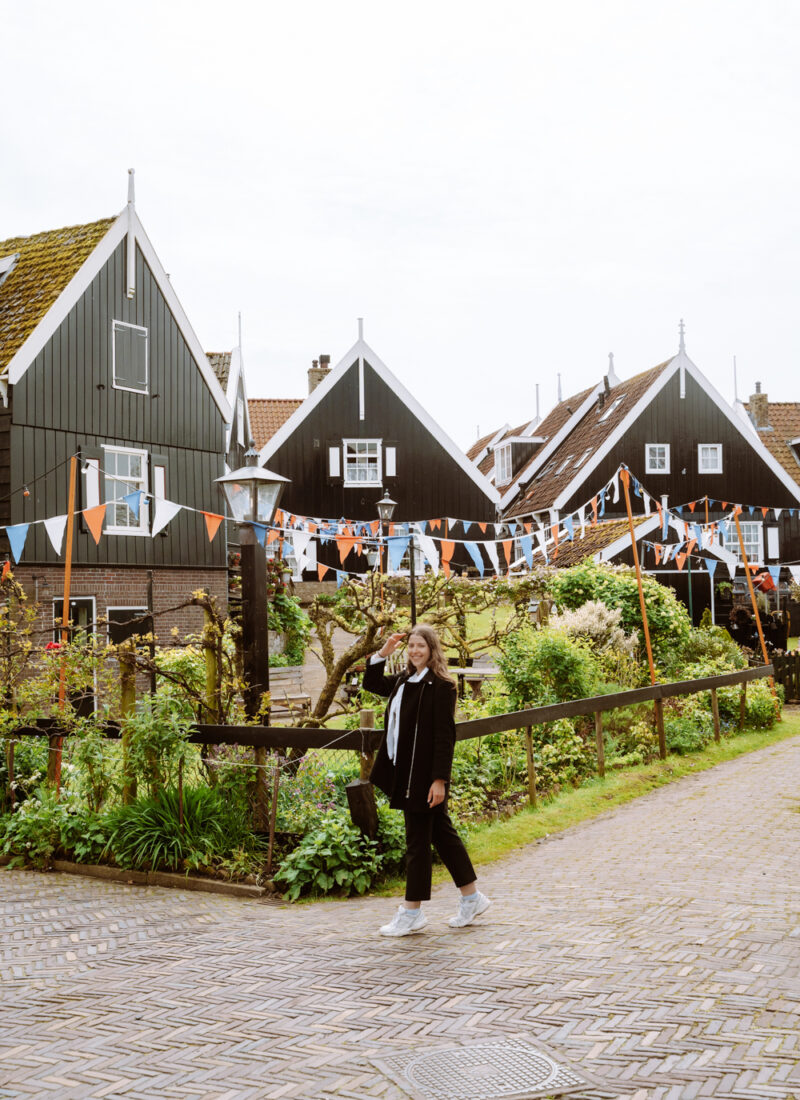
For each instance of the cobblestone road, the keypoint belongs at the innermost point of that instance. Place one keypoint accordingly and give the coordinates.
(657, 948)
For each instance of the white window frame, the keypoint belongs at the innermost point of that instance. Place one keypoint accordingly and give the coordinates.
(143, 527)
(649, 467)
(58, 620)
(717, 469)
(115, 327)
(375, 483)
(754, 546)
(615, 404)
(143, 610)
(502, 464)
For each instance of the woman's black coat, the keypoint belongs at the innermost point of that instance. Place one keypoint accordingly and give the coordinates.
(427, 707)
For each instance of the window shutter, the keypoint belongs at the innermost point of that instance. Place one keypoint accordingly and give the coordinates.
(158, 486)
(334, 461)
(90, 487)
(772, 543)
(390, 461)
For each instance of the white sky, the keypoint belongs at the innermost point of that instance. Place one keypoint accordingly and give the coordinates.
(503, 192)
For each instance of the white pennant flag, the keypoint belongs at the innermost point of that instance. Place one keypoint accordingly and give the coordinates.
(732, 568)
(582, 518)
(777, 512)
(615, 482)
(300, 541)
(795, 571)
(646, 497)
(165, 510)
(55, 531)
(498, 529)
(428, 548)
(491, 551)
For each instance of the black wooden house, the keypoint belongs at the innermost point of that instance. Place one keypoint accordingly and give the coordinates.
(98, 359)
(360, 434)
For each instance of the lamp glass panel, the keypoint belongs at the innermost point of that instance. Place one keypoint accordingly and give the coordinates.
(238, 494)
(267, 500)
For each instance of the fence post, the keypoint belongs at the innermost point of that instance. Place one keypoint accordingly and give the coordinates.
(366, 720)
(601, 751)
(180, 795)
(273, 815)
(715, 712)
(658, 707)
(212, 678)
(531, 766)
(742, 705)
(10, 759)
(127, 705)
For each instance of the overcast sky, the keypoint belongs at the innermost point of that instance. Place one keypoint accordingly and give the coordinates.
(504, 192)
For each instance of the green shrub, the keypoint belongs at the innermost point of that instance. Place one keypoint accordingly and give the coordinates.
(683, 735)
(157, 735)
(334, 855)
(545, 666)
(760, 710)
(561, 755)
(30, 767)
(44, 826)
(307, 794)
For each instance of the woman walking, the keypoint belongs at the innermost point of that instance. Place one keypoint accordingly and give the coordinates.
(413, 769)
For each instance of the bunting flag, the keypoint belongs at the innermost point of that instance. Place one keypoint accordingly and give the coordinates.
(647, 503)
(260, 531)
(465, 525)
(793, 569)
(300, 541)
(398, 545)
(17, 535)
(474, 552)
(133, 500)
(435, 524)
(692, 505)
(491, 553)
(165, 511)
(321, 571)
(447, 547)
(711, 565)
(594, 511)
(340, 578)
(570, 526)
(273, 535)
(680, 559)
(541, 537)
(55, 532)
(428, 548)
(345, 542)
(212, 524)
(658, 550)
(507, 544)
(582, 520)
(777, 512)
(615, 482)
(526, 542)
(775, 573)
(602, 499)
(94, 520)
(483, 527)
(6, 569)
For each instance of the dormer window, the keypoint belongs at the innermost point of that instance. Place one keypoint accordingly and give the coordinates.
(7, 265)
(615, 404)
(502, 465)
(129, 357)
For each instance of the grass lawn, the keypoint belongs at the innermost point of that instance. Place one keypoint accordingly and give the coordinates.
(498, 839)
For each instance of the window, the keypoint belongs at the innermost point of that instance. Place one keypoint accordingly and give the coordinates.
(129, 357)
(709, 458)
(564, 464)
(656, 458)
(502, 465)
(615, 404)
(127, 622)
(546, 470)
(125, 472)
(81, 617)
(362, 461)
(583, 457)
(752, 537)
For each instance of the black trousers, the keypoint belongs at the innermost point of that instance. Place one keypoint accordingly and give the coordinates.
(433, 827)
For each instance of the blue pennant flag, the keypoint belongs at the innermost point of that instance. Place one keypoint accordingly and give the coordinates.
(260, 532)
(570, 526)
(679, 509)
(752, 508)
(665, 525)
(474, 552)
(16, 539)
(526, 542)
(711, 502)
(775, 573)
(637, 487)
(512, 526)
(466, 524)
(132, 500)
(711, 565)
(340, 576)
(397, 548)
(698, 533)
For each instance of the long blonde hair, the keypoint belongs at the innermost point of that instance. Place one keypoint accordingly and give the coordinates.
(437, 662)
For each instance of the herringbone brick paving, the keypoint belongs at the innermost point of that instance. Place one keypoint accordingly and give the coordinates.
(657, 947)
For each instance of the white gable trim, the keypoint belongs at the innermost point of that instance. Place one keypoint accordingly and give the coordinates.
(680, 362)
(361, 350)
(545, 452)
(485, 451)
(80, 283)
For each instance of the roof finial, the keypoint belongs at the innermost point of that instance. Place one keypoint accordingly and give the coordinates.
(130, 246)
(131, 196)
(240, 330)
(361, 328)
(559, 387)
(611, 374)
(681, 330)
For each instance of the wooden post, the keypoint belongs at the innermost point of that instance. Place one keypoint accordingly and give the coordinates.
(56, 743)
(273, 815)
(737, 509)
(10, 760)
(363, 810)
(625, 478)
(180, 795)
(366, 720)
(601, 750)
(531, 766)
(212, 678)
(127, 705)
(151, 645)
(742, 705)
(715, 712)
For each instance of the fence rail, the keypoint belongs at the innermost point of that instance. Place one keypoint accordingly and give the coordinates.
(787, 672)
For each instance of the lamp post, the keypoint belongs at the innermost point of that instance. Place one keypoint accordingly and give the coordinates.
(253, 494)
(386, 507)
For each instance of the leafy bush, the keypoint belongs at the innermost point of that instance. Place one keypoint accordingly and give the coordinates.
(597, 624)
(146, 834)
(157, 734)
(30, 767)
(545, 666)
(287, 617)
(333, 855)
(311, 792)
(44, 826)
(760, 709)
(683, 735)
(561, 754)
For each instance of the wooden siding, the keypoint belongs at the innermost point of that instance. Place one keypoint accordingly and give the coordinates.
(429, 482)
(66, 402)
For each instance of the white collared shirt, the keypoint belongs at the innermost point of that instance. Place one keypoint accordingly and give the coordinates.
(393, 718)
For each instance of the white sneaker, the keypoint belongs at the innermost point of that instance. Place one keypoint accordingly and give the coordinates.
(471, 906)
(404, 922)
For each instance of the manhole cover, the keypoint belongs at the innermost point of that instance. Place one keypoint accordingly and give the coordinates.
(492, 1069)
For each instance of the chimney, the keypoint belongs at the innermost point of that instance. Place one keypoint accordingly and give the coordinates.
(320, 369)
(759, 408)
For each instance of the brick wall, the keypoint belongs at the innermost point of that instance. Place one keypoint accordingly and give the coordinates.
(125, 587)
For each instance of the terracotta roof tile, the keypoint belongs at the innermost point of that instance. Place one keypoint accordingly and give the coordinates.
(47, 262)
(479, 444)
(596, 538)
(268, 414)
(221, 365)
(591, 432)
(784, 426)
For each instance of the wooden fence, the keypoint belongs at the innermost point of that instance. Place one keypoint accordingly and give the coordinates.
(787, 672)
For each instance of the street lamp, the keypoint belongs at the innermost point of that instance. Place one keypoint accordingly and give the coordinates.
(253, 494)
(386, 507)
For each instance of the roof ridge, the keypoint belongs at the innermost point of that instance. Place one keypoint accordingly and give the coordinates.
(59, 229)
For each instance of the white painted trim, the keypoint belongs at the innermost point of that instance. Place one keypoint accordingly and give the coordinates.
(115, 324)
(323, 389)
(624, 541)
(484, 451)
(544, 453)
(718, 468)
(653, 471)
(73, 598)
(361, 387)
(348, 441)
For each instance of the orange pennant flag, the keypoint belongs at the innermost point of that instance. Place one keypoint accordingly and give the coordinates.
(345, 544)
(724, 505)
(554, 533)
(212, 524)
(375, 526)
(278, 521)
(321, 571)
(692, 505)
(312, 527)
(658, 549)
(507, 544)
(691, 546)
(594, 511)
(6, 569)
(737, 509)
(527, 527)
(435, 524)
(94, 520)
(447, 546)
(482, 527)
(764, 512)
(272, 536)
(680, 559)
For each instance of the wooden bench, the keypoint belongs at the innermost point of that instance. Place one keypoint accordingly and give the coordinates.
(287, 692)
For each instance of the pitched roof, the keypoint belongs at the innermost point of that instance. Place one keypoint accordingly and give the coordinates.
(591, 432)
(221, 365)
(595, 540)
(268, 414)
(784, 426)
(47, 261)
(479, 445)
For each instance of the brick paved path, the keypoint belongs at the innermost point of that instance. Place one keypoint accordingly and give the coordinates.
(658, 948)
